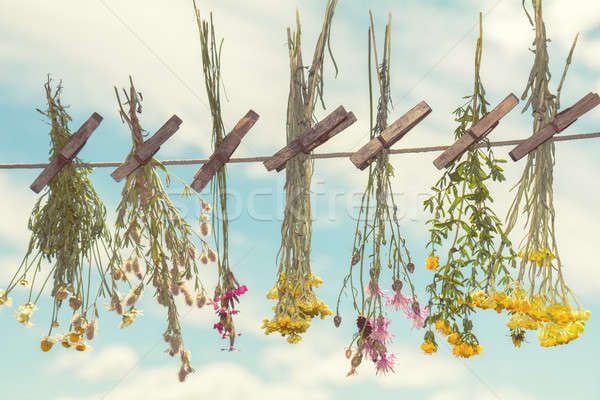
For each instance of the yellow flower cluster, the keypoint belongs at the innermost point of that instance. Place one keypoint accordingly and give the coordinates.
(311, 281)
(292, 319)
(466, 350)
(443, 327)
(429, 347)
(562, 323)
(553, 334)
(460, 349)
(431, 262)
(544, 255)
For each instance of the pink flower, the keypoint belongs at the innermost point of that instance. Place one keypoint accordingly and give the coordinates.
(385, 363)
(214, 303)
(219, 327)
(222, 311)
(379, 331)
(417, 314)
(377, 291)
(233, 312)
(398, 300)
(228, 294)
(241, 290)
(368, 350)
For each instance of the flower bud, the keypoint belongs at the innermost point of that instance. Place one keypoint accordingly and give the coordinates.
(356, 360)
(62, 293)
(397, 285)
(90, 330)
(337, 320)
(75, 302)
(204, 258)
(410, 267)
(117, 275)
(348, 353)
(200, 300)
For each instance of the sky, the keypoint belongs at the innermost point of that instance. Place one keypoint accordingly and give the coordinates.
(94, 46)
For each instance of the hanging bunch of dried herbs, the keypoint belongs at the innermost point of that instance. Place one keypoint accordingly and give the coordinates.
(463, 220)
(540, 298)
(228, 289)
(157, 241)
(378, 243)
(297, 303)
(68, 231)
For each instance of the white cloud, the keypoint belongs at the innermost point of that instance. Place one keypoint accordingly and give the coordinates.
(111, 362)
(219, 380)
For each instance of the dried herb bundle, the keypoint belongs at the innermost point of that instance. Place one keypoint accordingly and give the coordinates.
(297, 303)
(467, 272)
(228, 290)
(158, 242)
(378, 243)
(68, 231)
(540, 298)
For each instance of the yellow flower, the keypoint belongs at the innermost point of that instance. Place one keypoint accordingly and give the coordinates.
(46, 343)
(82, 346)
(453, 338)
(429, 347)
(431, 262)
(73, 337)
(273, 293)
(443, 327)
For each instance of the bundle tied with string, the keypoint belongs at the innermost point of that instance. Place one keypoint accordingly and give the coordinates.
(155, 241)
(227, 290)
(297, 304)
(539, 299)
(378, 243)
(68, 231)
(464, 222)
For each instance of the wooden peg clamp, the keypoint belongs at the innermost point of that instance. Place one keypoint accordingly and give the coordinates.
(148, 149)
(67, 153)
(477, 132)
(321, 132)
(390, 135)
(561, 122)
(224, 152)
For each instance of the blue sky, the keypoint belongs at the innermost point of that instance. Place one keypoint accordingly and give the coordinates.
(86, 46)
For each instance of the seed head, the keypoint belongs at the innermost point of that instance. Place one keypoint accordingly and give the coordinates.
(205, 228)
(212, 255)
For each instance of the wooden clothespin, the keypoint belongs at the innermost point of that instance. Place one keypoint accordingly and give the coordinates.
(321, 132)
(562, 120)
(67, 153)
(148, 149)
(477, 132)
(390, 135)
(223, 153)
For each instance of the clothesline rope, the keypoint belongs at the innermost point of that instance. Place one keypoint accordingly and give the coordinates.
(314, 156)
